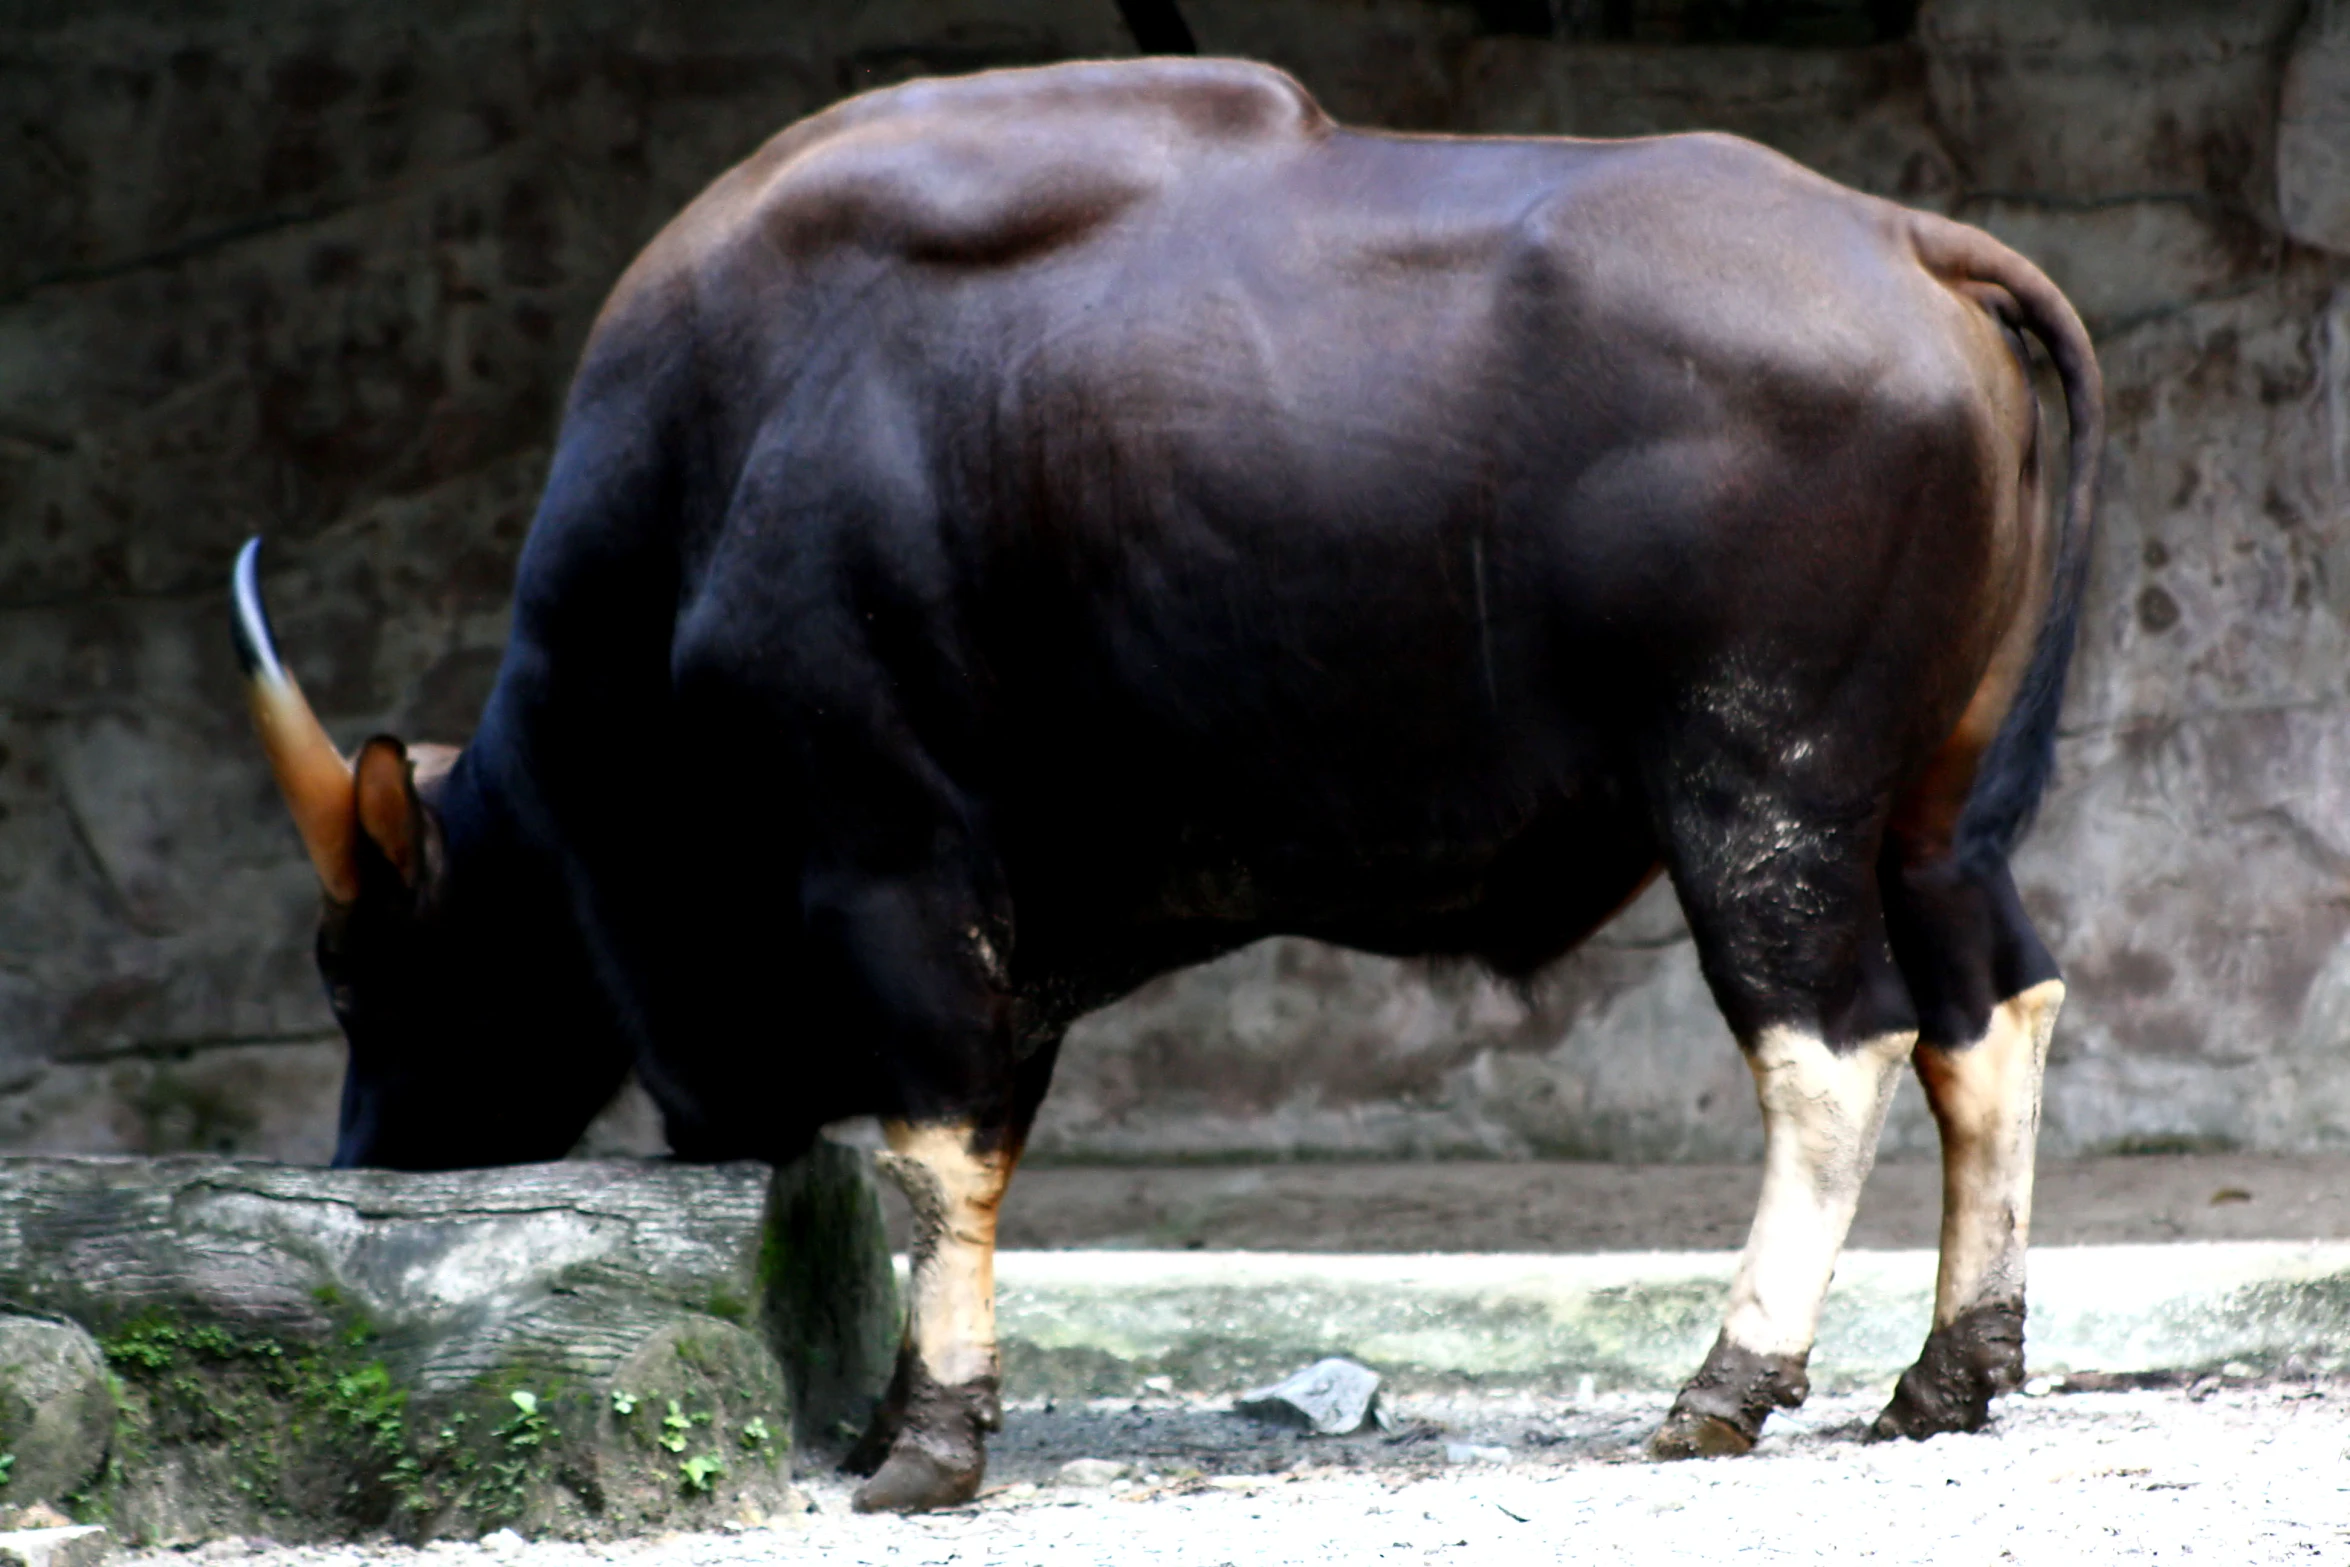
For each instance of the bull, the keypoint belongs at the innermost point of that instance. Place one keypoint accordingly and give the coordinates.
(1015, 536)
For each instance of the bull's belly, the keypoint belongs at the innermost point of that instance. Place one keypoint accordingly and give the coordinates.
(1516, 894)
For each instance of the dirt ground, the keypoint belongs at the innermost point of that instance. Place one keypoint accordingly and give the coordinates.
(1567, 1207)
(2216, 1472)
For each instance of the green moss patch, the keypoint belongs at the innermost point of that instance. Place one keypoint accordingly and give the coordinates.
(311, 1438)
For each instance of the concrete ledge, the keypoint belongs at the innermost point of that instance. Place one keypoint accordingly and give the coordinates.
(74, 1546)
(1095, 1323)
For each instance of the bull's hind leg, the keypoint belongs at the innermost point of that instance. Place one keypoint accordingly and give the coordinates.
(1822, 1111)
(1790, 931)
(1988, 994)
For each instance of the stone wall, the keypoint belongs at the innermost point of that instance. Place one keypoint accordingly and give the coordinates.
(319, 269)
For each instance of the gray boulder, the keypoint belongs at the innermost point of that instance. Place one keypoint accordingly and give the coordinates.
(56, 1410)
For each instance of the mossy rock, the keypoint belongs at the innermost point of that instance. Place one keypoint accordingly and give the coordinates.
(316, 1354)
(694, 1426)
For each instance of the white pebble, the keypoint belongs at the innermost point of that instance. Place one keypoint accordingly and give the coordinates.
(1092, 1474)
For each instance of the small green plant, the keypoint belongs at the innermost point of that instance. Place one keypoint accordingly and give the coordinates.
(674, 1426)
(147, 1344)
(444, 1456)
(528, 1428)
(501, 1486)
(701, 1473)
(623, 1403)
(755, 1432)
(153, 1344)
(364, 1400)
(7, 1463)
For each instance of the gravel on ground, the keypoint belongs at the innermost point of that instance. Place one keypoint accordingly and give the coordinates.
(2217, 1472)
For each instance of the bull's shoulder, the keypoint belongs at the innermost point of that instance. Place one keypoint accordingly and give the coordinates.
(994, 167)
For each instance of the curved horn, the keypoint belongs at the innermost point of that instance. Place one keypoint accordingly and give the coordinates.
(311, 773)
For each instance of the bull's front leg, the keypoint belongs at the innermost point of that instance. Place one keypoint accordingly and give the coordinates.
(1822, 1111)
(945, 1400)
(1986, 1099)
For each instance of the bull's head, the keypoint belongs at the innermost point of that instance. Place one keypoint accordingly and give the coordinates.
(458, 1053)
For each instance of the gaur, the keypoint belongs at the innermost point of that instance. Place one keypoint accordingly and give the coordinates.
(1015, 536)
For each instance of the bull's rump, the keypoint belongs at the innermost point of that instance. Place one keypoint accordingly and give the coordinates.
(1168, 464)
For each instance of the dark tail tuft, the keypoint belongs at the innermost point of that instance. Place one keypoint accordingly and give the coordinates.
(2014, 772)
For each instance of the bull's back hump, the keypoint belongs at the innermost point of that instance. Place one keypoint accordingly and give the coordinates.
(997, 167)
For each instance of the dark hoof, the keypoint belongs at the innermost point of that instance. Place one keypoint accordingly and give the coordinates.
(1722, 1410)
(939, 1454)
(1902, 1418)
(1962, 1367)
(914, 1481)
(1688, 1434)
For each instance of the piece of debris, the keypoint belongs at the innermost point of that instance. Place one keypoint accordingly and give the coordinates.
(76, 1545)
(1332, 1397)
(2116, 1381)
(2229, 1194)
(1472, 1453)
(1093, 1474)
(502, 1542)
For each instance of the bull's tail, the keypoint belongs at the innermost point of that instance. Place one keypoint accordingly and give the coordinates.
(2014, 771)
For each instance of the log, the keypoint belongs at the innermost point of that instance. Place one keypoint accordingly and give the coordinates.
(584, 1349)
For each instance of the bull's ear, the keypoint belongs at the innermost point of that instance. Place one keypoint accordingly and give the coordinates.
(390, 814)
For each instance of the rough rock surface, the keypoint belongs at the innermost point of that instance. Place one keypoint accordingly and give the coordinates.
(56, 1409)
(2313, 131)
(320, 268)
(586, 1348)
